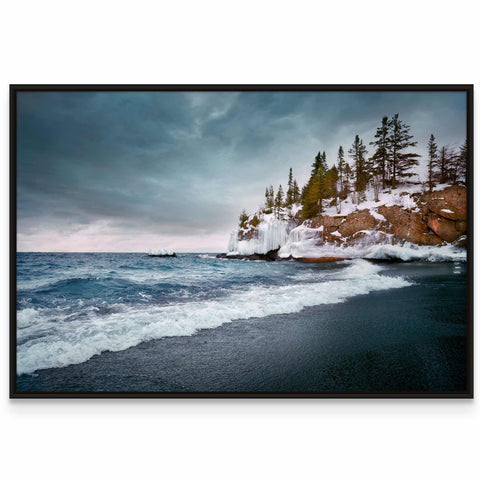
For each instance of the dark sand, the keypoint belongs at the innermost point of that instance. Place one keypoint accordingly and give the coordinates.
(410, 340)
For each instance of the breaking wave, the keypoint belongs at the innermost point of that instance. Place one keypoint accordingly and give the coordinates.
(302, 242)
(52, 337)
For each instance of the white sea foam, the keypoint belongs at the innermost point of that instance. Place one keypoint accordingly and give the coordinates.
(302, 242)
(47, 340)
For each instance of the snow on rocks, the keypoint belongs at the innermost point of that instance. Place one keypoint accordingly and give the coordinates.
(161, 251)
(403, 223)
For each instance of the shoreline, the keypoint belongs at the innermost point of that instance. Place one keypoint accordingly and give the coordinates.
(302, 351)
(273, 257)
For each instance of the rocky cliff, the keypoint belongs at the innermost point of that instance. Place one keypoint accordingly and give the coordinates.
(405, 217)
(432, 219)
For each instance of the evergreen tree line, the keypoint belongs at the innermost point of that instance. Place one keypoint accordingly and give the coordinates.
(274, 202)
(446, 165)
(391, 164)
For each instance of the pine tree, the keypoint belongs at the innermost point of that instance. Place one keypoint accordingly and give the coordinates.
(457, 165)
(303, 194)
(279, 198)
(319, 164)
(269, 201)
(358, 153)
(399, 140)
(296, 192)
(347, 178)
(330, 183)
(381, 157)
(272, 194)
(340, 164)
(314, 192)
(462, 161)
(311, 202)
(243, 218)
(432, 161)
(446, 165)
(289, 197)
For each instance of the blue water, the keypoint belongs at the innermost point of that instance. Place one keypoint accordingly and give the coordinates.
(76, 309)
(50, 280)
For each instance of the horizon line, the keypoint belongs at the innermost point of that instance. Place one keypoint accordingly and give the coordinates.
(64, 251)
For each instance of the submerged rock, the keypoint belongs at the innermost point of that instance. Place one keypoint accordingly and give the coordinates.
(320, 259)
(270, 256)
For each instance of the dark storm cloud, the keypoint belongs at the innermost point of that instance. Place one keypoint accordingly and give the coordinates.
(185, 164)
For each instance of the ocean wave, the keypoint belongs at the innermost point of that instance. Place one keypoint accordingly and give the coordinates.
(408, 252)
(50, 341)
(76, 283)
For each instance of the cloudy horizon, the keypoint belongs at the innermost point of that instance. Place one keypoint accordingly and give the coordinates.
(134, 171)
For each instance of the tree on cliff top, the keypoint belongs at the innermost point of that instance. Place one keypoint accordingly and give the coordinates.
(361, 165)
(330, 183)
(320, 163)
(456, 164)
(269, 198)
(321, 185)
(289, 196)
(462, 164)
(314, 191)
(381, 157)
(341, 167)
(399, 140)
(446, 165)
(432, 161)
(347, 179)
(296, 192)
(243, 218)
(279, 198)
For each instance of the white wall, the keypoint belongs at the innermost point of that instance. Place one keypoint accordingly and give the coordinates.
(247, 42)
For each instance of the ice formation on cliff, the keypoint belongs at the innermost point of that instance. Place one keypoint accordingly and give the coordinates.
(270, 234)
(303, 241)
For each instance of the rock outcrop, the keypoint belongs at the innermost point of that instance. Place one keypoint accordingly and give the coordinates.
(356, 222)
(407, 225)
(426, 219)
(441, 218)
(450, 203)
(270, 256)
(445, 229)
(445, 212)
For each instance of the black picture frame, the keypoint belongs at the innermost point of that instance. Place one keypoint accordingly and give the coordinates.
(14, 89)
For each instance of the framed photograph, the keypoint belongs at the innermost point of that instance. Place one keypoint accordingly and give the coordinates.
(241, 241)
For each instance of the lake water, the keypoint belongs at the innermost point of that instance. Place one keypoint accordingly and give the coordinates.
(128, 322)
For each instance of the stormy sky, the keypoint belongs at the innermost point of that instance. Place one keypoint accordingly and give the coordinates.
(133, 171)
